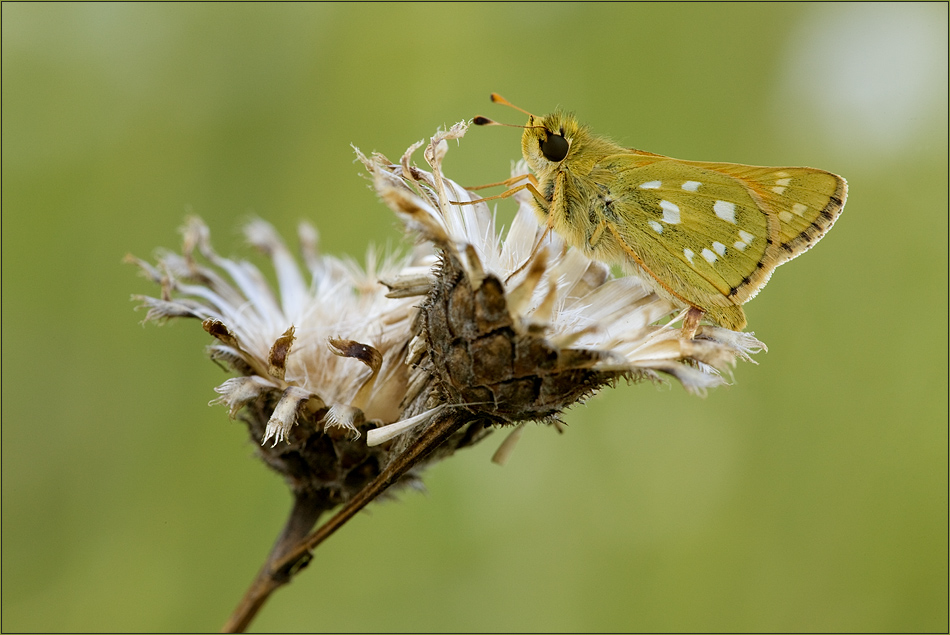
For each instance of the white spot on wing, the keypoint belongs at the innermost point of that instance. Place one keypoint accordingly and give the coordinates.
(785, 216)
(778, 189)
(709, 256)
(783, 181)
(719, 248)
(658, 228)
(746, 237)
(739, 245)
(726, 211)
(781, 174)
(671, 212)
(689, 255)
(799, 209)
(691, 186)
(650, 185)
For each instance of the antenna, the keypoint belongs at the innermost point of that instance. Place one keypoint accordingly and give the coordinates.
(498, 99)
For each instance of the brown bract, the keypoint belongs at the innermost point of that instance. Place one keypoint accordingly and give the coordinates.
(484, 361)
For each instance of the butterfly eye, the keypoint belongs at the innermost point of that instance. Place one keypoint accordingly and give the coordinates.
(554, 147)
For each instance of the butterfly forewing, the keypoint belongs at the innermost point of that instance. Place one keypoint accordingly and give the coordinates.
(694, 221)
(805, 202)
(712, 233)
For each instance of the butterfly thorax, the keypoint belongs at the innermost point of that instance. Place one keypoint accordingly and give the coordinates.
(575, 190)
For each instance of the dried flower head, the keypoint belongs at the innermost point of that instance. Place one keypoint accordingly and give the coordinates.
(508, 328)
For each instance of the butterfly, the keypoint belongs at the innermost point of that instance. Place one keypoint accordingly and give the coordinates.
(706, 236)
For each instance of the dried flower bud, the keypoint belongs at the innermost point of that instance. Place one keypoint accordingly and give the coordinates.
(510, 329)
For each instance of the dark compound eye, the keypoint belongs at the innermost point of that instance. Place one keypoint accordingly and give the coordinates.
(554, 147)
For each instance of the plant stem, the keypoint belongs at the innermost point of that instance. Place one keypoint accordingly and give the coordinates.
(292, 551)
(305, 513)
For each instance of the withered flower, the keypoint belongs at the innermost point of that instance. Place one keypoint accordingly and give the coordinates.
(353, 380)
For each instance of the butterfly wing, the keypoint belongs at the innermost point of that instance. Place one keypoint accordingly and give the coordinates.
(710, 234)
(806, 201)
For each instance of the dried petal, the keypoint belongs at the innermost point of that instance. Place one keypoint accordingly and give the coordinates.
(285, 414)
(277, 357)
(237, 391)
(345, 417)
(385, 433)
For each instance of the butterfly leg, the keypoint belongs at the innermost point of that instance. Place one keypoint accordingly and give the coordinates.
(506, 182)
(531, 256)
(596, 235)
(691, 322)
(531, 187)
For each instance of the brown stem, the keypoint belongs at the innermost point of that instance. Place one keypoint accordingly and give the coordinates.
(306, 510)
(293, 552)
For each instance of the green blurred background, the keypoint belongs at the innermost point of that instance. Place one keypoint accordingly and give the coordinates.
(811, 495)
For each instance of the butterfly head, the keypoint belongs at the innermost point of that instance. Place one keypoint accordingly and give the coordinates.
(548, 141)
